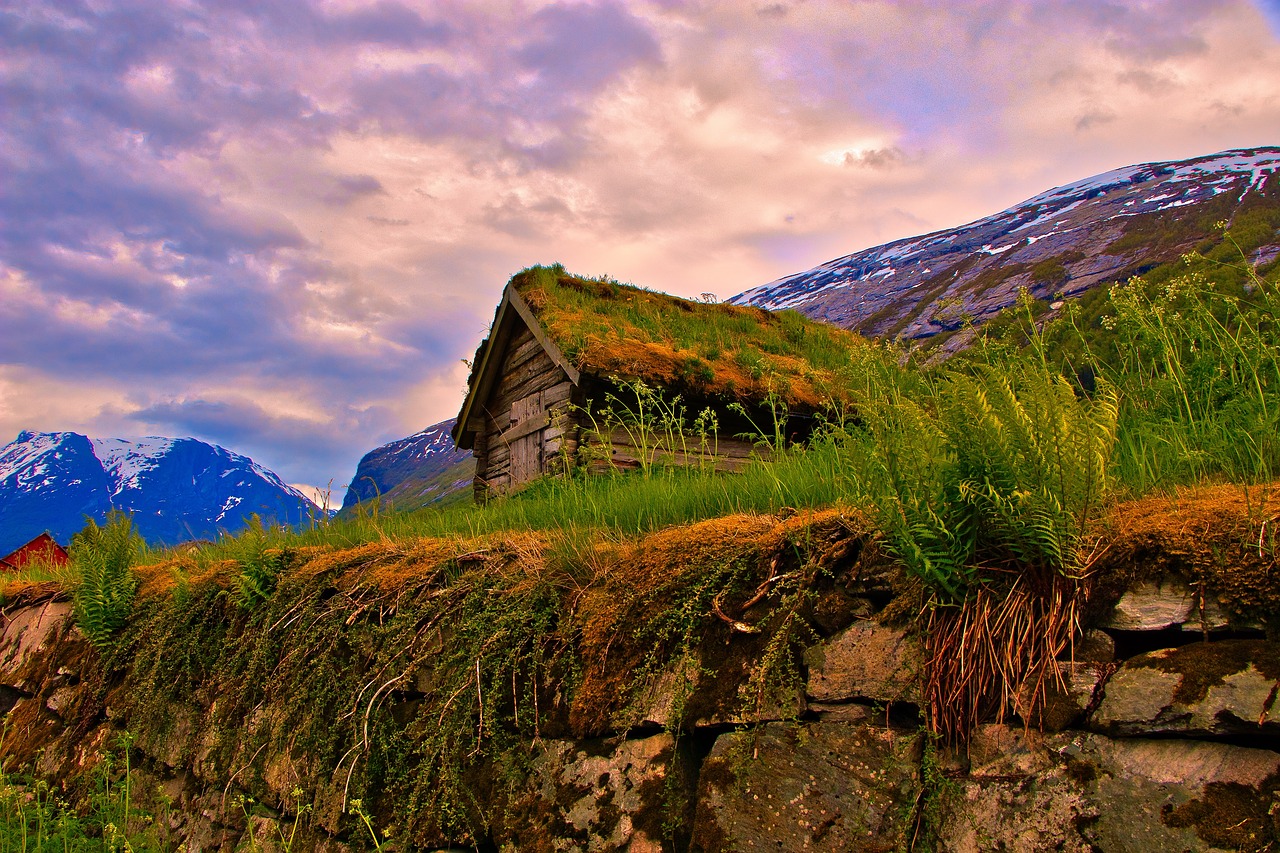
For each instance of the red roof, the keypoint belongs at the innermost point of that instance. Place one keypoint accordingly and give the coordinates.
(41, 549)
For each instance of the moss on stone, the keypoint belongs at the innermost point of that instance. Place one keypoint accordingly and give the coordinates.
(1206, 665)
(1231, 816)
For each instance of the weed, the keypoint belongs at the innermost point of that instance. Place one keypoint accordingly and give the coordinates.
(36, 817)
(357, 808)
(935, 791)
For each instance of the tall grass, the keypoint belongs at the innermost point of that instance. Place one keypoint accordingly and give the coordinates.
(35, 817)
(1201, 372)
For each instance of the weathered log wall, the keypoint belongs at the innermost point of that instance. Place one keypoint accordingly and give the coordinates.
(627, 449)
(527, 419)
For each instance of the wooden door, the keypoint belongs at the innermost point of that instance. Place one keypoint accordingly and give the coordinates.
(527, 422)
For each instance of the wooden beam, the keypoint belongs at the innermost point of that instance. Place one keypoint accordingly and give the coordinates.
(525, 427)
(522, 308)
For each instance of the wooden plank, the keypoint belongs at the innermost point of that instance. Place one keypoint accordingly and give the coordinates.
(527, 418)
(624, 454)
(526, 350)
(512, 386)
(525, 427)
(535, 384)
(557, 394)
(728, 447)
(534, 371)
(522, 353)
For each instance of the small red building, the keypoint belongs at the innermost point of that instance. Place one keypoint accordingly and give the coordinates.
(43, 549)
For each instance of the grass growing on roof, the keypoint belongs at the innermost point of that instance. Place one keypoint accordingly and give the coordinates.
(715, 349)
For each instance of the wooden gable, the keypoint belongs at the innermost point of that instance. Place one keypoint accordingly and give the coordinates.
(516, 417)
(514, 327)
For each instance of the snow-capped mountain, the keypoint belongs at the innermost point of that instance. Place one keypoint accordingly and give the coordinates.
(177, 489)
(1099, 230)
(412, 472)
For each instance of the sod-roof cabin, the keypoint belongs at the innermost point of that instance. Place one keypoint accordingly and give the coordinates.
(564, 356)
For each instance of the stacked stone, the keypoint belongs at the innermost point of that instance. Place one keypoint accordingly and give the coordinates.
(1160, 738)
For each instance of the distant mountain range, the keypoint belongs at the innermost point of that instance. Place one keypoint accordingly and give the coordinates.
(177, 489)
(1099, 230)
(423, 469)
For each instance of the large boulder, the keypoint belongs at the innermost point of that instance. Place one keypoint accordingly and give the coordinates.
(807, 787)
(1065, 696)
(1170, 603)
(1017, 796)
(866, 661)
(594, 796)
(29, 643)
(1084, 792)
(688, 694)
(1227, 687)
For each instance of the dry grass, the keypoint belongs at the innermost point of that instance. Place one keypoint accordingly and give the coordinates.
(998, 652)
(707, 574)
(1222, 538)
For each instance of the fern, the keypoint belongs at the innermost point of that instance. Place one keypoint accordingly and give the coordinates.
(259, 567)
(998, 466)
(103, 558)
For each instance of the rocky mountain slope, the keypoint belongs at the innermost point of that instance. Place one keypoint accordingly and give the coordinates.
(177, 489)
(411, 473)
(1062, 242)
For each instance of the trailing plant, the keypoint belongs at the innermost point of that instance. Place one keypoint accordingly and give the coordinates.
(936, 792)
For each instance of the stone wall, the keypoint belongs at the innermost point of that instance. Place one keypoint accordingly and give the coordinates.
(1160, 738)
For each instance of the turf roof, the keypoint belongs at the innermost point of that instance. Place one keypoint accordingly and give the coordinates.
(715, 350)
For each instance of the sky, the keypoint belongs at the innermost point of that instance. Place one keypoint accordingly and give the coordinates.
(282, 226)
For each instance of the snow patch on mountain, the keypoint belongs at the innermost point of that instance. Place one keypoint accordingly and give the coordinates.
(176, 489)
(893, 289)
(410, 472)
(127, 461)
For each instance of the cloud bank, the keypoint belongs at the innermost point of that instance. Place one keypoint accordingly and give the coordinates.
(280, 226)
